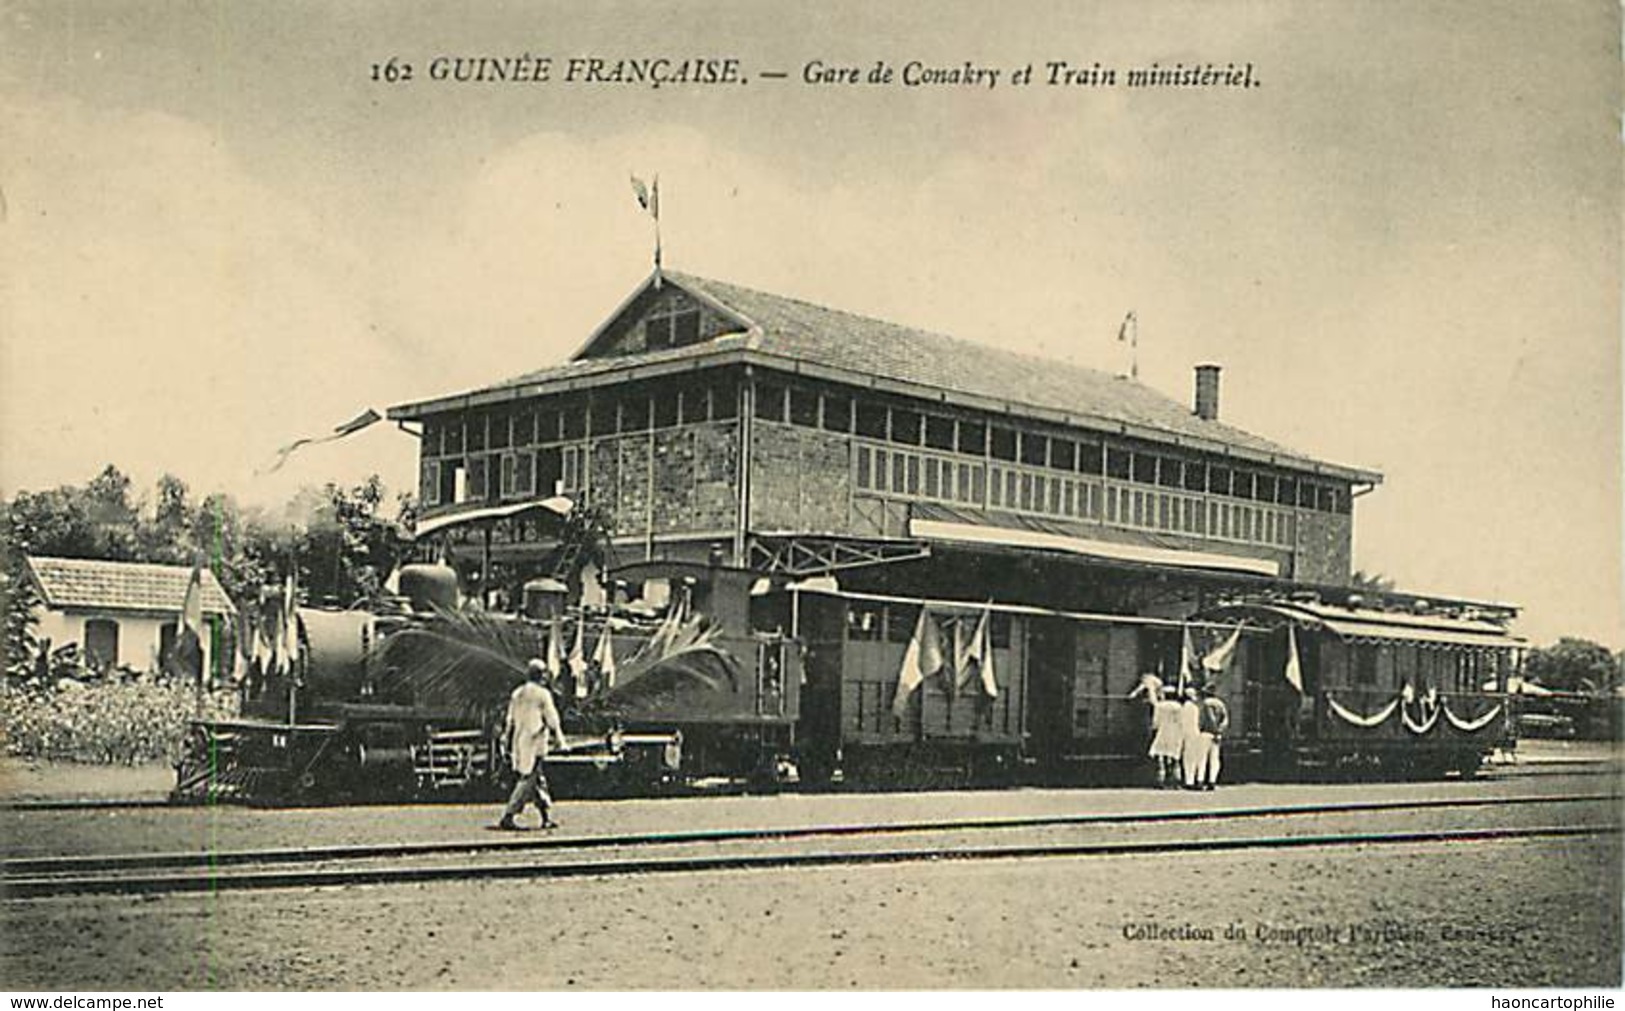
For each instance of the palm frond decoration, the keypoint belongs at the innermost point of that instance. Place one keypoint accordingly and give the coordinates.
(465, 660)
(674, 671)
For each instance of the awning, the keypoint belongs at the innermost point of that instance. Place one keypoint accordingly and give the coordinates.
(1365, 625)
(558, 505)
(973, 533)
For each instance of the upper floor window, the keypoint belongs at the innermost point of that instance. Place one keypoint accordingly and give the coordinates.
(672, 329)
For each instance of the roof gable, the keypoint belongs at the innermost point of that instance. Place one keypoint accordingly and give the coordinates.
(660, 317)
(92, 584)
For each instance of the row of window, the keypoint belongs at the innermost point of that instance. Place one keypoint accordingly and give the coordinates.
(836, 411)
(1380, 666)
(636, 408)
(943, 479)
(492, 477)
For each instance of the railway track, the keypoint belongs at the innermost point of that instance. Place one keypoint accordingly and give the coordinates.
(709, 850)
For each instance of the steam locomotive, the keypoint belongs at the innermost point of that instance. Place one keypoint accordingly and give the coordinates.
(408, 701)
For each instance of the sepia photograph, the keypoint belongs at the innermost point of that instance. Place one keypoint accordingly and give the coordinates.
(787, 496)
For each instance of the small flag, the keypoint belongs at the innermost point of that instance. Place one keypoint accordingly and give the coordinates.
(922, 659)
(648, 199)
(186, 656)
(1187, 659)
(1129, 331)
(980, 656)
(354, 425)
(959, 673)
(555, 663)
(1294, 670)
(604, 657)
(578, 659)
(1218, 661)
(287, 637)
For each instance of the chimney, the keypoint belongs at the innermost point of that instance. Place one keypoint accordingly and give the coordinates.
(1207, 392)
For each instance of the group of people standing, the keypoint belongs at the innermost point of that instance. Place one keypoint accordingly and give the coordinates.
(1187, 731)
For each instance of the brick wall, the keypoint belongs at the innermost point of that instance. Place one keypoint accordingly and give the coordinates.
(801, 480)
(1324, 548)
(692, 486)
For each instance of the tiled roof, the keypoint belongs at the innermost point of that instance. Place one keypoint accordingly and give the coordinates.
(842, 340)
(803, 333)
(88, 584)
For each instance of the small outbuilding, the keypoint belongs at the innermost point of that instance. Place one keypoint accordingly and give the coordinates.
(123, 614)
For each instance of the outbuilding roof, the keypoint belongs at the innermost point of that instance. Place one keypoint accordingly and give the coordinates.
(797, 336)
(90, 584)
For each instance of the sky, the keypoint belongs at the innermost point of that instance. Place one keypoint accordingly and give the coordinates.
(219, 235)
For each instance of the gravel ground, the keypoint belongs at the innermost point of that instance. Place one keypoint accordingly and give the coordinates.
(1516, 913)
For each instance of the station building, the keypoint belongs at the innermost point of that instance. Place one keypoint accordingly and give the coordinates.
(717, 424)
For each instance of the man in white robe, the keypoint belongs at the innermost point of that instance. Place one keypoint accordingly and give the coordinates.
(532, 723)
(1193, 743)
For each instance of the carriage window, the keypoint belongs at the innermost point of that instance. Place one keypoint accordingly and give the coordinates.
(1365, 665)
(900, 622)
(999, 630)
(863, 621)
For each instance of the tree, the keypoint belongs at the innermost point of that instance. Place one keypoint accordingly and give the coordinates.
(349, 549)
(1576, 665)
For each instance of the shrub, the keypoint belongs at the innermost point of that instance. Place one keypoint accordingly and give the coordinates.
(114, 721)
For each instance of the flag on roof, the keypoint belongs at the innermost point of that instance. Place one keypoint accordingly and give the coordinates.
(922, 659)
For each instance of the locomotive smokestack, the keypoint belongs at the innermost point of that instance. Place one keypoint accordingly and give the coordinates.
(1207, 392)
